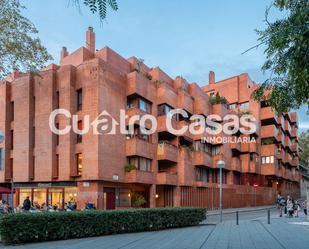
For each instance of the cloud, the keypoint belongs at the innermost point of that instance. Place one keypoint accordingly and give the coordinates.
(303, 125)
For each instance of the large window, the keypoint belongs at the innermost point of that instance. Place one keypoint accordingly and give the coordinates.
(216, 150)
(79, 93)
(268, 159)
(79, 137)
(164, 109)
(140, 163)
(232, 106)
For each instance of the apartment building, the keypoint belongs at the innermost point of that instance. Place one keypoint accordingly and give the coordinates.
(275, 154)
(169, 169)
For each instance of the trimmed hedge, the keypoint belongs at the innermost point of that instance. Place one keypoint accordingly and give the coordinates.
(34, 227)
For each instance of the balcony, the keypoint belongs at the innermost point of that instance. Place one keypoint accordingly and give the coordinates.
(201, 105)
(166, 94)
(269, 131)
(294, 147)
(235, 164)
(136, 111)
(235, 146)
(137, 83)
(167, 152)
(139, 147)
(268, 150)
(287, 142)
(185, 101)
(201, 158)
(294, 131)
(166, 178)
(253, 147)
(280, 137)
(187, 134)
(162, 121)
(267, 113)
(269, 169)
(219, 109)
(138, 176)
(287, 126)
(295, 161)
(287, 174)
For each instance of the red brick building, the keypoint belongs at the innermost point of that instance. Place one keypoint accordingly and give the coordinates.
(170, 170)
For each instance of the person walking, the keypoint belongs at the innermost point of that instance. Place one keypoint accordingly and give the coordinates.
(305, 207)
(27, 204)
(290, 206)
(280, 204)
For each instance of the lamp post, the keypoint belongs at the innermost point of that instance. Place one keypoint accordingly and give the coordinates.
(220, 165)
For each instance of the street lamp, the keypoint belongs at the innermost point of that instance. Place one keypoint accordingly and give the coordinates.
(220, 165)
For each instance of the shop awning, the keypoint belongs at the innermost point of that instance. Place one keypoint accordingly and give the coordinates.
(4, 190)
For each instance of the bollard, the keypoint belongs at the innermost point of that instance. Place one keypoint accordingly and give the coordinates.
(268, 216)
(237, 216)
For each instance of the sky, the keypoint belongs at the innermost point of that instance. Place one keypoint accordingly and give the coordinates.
(186, 38)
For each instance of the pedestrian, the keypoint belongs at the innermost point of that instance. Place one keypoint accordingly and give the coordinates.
(305, 207)
(296, 209)
(280, 204)
(290, 206)
(27, 204)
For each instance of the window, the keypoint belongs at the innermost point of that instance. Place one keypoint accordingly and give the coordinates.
(144, 105)
(79, 137)
(57, 136)
(12, 139)
(12, 110)
(232, 106)
(140, 163)
(79, 99)
(57, 100)
(164, 109)
(79, 162)
(2, 158)
(244, 106)
(216, 150)
(130, 103)
(201, 174)
(199, 146)
(33, 136)
(268, 159)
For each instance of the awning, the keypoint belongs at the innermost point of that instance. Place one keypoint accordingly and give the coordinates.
(4, 190)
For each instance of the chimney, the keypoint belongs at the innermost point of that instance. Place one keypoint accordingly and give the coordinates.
(211, 77)
(90, 39)
(64, 53)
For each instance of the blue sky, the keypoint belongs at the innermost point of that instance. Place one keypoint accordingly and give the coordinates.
(187, 38)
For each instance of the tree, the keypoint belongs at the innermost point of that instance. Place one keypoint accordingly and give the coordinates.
(287, 57)
(304, 146)
(19, 48)
(99, 6)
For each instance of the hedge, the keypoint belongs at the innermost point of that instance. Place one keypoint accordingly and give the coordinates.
(35, 227)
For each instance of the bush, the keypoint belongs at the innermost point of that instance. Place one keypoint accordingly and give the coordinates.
(217, 99)
(34, 227)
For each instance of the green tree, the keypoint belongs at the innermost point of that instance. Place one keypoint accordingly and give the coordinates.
(99, 6)
(20, 49)
(304, 146)
(287, 56)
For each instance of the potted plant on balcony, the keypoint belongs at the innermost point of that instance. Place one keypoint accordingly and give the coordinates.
(217, 99)
(129, 167)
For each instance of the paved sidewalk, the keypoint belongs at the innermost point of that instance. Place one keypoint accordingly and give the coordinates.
(233, 210)
(282, 233)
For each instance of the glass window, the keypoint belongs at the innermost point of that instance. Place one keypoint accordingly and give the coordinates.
(39, 196)
(79, 161)
(123, 197)
(244, 106)
(144, 164)
(70, 195)
(143, 105)
(55, 196)
(79, 137)
(232, 106)
(23, 194)
(216, 150)
(79, 99)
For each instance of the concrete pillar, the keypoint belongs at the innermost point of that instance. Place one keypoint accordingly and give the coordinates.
(152, 196)
(90, 39)
(177, 196)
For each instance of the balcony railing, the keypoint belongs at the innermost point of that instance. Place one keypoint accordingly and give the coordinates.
(139, 147)
(201, 158)
(167, 151)
(138, 176)
(166, 178)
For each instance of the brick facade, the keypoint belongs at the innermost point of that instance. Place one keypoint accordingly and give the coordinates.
(172, 170)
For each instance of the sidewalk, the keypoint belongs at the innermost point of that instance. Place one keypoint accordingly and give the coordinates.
(282, 233)
(233, 210)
